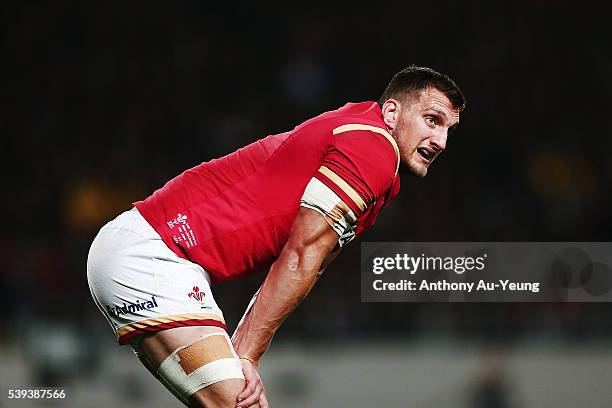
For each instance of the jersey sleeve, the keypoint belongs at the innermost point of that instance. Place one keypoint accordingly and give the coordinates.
(360, 166)
(338, 215)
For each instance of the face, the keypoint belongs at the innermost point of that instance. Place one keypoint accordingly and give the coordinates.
(420, 126)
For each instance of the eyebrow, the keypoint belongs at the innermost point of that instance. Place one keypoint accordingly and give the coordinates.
(439, 111)
(451, 128)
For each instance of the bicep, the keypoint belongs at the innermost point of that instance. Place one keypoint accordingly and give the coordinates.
(311, 233)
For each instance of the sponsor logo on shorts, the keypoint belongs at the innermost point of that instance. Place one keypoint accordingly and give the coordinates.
(197, 295)
(138, 305)
(180, 219)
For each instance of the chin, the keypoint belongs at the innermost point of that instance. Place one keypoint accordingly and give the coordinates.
(417, 169)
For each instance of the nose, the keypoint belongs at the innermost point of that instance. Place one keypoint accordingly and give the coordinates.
(438, 141)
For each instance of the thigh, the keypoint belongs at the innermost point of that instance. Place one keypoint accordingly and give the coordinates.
(158, 346)
(197, 364)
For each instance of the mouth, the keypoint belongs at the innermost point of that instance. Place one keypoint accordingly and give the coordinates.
(426, 155)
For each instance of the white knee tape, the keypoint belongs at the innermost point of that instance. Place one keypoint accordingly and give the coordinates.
(208, 360)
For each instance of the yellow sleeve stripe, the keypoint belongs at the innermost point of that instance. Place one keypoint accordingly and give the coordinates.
(344, 186)
(359, 126)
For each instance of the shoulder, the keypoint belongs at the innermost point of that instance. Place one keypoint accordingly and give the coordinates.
(362, 163)
(370, 146)
(367, 113)
(356, 128)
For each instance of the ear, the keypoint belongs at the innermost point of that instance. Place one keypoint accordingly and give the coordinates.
(390, 111)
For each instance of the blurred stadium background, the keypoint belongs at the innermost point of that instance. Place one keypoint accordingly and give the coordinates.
(101, 103)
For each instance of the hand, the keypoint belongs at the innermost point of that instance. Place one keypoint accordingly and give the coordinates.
(254, 390)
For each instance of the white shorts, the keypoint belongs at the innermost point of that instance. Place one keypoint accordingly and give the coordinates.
(141, 286)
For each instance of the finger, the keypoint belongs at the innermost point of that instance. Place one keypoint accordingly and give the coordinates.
(249, 388)
(253, 398)
(263, 400)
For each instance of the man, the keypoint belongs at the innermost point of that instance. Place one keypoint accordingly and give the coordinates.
(286, 204)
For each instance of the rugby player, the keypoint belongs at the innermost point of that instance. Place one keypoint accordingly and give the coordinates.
(285, 205)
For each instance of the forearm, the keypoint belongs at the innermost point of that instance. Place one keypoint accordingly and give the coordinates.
(289, 280)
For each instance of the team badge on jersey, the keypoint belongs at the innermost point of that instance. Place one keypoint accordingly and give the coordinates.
(179, 220)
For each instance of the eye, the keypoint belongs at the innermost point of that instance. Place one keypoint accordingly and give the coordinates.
(431, 120)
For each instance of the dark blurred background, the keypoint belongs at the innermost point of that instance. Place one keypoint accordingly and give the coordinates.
(102, 103)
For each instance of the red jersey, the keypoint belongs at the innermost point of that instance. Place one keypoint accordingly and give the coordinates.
(233, 215)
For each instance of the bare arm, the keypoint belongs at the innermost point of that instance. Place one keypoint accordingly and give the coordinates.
(289, 280)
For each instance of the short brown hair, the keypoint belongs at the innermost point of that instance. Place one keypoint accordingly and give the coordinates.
(413, 79)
